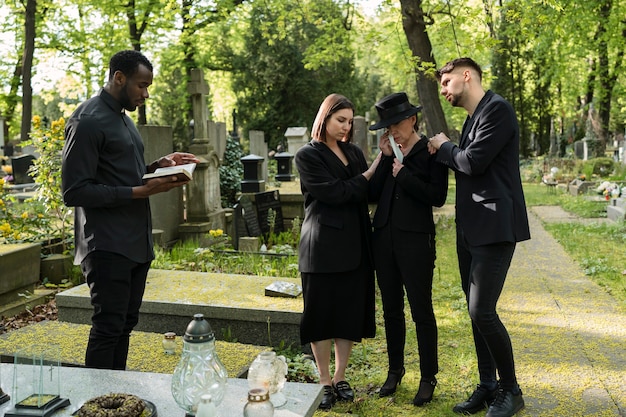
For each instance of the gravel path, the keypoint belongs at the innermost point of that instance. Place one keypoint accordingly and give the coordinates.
(569, 335)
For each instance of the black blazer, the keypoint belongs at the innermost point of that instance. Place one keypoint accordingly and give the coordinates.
(336, 223)
(410, 196)
(490, 206)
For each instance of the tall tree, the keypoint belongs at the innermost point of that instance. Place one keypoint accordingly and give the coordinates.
(415, 22)
(30, 13)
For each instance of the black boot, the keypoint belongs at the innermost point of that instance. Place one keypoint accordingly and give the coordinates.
(394, 378)
(425, 392)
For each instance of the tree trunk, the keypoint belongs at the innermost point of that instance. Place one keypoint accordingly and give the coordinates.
(27, 68)
(135, 39)
(414, 23)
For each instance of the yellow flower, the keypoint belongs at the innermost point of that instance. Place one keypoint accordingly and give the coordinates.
(1, 182)
(25, 215)
(216, 233)
(5, 228)
(36, 122)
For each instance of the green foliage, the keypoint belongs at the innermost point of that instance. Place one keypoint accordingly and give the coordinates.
(231, 172)
(189, 257)
(43, 218)
(48, 143)
(291, 56)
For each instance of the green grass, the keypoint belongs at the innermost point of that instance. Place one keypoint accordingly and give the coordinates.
(593, 245)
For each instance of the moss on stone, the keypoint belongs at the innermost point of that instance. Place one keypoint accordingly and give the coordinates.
(146, 353)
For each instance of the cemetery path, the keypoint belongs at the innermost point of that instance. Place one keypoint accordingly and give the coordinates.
(569, 335)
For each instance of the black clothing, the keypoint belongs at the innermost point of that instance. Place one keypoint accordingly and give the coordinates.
(404, 248)
(117, 285)
(335, 244)
(490, 204)
(490, 217)
(102, 161)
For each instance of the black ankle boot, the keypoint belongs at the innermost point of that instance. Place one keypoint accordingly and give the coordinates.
(394, 378)
(425, 392)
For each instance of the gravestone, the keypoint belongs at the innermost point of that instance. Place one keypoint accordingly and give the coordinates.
(204, 204)
(167, 208)
(265, 202)
(360, 136)
(249, 216)
(21, 165)
(220, 138)
(258, 146)
(297, 137)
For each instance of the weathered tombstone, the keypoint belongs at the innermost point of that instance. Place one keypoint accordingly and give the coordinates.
(204, 206)
(220, 139)
(21, 165)
(265, 202)
(258, 146)
(360, 137)
(167, 208)
(297, 137)
(249, 215)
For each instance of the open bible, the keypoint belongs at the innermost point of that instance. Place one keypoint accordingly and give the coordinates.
(183, 172)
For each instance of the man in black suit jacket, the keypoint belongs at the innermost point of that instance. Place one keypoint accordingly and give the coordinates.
(491, 218)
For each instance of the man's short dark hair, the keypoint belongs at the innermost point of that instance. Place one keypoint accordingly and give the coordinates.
(460, 62)
(128, 63)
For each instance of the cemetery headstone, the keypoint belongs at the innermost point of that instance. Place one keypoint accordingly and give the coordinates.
(265, 202)
(21, 165)
(250, 216)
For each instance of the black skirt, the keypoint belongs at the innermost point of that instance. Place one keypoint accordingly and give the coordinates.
(338, 305)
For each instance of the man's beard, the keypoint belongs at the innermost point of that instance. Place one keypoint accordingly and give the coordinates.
(125, 99)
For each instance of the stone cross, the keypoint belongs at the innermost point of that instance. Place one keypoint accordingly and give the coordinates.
(198, 89)
(204, 205)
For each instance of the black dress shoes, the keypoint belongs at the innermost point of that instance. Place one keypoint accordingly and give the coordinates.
(394, 378)
(425, 392)
(480, 399)
(506, 404)
(343, 391)
(328, 399)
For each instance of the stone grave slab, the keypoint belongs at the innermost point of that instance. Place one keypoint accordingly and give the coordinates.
(81, 384)
(235, 306)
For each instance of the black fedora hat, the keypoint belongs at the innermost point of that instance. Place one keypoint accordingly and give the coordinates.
(393, 109)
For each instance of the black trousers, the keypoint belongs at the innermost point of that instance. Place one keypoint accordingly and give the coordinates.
(483, 272)
(116, 286)
(405, 262)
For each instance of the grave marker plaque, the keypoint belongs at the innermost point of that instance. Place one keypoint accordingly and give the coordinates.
(249, 216)
(264, 202)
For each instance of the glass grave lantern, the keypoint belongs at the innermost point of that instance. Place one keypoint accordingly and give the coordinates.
(200, 371)
(37, 383)
(4, 397)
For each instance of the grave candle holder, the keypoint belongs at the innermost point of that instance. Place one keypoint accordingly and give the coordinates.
(37, 383)
(4, 397)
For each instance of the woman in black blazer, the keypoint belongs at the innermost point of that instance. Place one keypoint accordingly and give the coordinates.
(335, 245)
(407, 184)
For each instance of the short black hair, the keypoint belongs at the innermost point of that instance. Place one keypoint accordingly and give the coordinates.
(460, 62)
(128, 63)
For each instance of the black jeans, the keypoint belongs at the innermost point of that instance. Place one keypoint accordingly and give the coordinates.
(405, 261)
(483, 272)
(116, 285)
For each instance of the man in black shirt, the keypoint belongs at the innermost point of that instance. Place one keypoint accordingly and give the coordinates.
(102, 173)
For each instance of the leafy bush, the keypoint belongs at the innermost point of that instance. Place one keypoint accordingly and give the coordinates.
(231, 172)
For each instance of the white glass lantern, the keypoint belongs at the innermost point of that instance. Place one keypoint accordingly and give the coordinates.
(200, 370)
